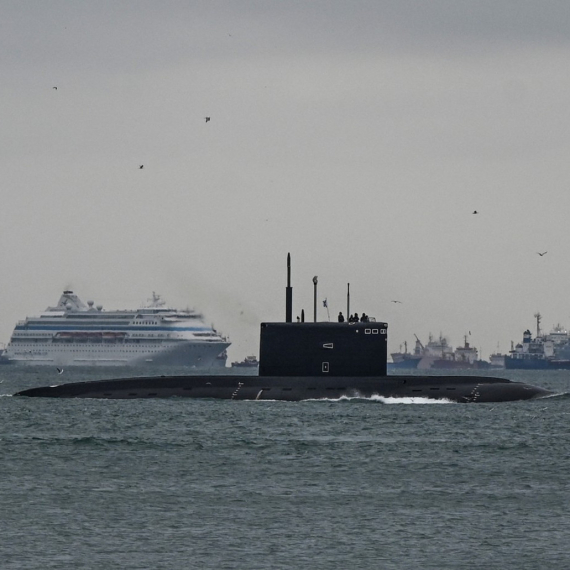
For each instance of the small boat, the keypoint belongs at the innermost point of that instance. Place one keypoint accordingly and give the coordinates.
(247, 362)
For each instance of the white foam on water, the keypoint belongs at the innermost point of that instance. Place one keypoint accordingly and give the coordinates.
(554, 395)
(411, 400)
(385, 400)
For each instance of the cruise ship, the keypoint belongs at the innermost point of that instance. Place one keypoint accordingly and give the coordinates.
(75, 334)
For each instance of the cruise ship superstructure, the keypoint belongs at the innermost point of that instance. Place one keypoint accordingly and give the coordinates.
(73, 333)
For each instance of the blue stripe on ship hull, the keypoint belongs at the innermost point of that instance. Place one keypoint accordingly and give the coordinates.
(107, 328)
(535, 364)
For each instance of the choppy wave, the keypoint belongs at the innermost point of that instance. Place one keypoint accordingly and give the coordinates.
(86, 441)
(240, 484)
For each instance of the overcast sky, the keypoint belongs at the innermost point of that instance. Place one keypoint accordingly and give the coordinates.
(359, 136)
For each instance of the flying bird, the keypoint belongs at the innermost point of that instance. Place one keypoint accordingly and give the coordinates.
(207, 119)
(541, 254)
(59, 370)
(55, 88)
(475, 212)
(141, 166)
(396, 301)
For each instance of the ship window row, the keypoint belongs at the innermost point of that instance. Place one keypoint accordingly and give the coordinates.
(87, 348)
(81, 318)
(94, 334)
(90, 349)
(67, 342)
(103, 327)
(93, 338)
(29, 334)
(94, 315)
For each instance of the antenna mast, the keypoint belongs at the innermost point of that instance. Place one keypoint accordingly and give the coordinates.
(538, 318)
(315, 281)
(289, 293)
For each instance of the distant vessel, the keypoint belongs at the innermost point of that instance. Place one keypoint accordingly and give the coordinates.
(247, 362)
(438, 354)
(220, 360)
(406, 360)
(545, 351)
(497, 360)
(464, 357)
(72, 333)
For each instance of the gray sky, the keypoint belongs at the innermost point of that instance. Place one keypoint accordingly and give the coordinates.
(359, 136)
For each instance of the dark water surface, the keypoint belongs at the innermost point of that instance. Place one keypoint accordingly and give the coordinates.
(132, 484)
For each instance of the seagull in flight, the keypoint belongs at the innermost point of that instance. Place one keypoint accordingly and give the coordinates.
(475, 212)
(541, 254)
(55, 88)
(207, 119)
(141, 166)
(59, 370)
(396, 301)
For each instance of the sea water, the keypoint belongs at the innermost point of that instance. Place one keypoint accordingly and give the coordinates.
(349, 484)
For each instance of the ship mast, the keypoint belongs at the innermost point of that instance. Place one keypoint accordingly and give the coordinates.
(538, 318)
(288, 293)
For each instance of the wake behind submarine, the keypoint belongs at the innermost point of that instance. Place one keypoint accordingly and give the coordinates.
(307, 361)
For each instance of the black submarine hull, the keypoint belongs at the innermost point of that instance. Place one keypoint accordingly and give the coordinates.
(307, 361)
(463, 389)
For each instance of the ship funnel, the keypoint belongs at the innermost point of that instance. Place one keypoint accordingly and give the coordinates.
(289, 293)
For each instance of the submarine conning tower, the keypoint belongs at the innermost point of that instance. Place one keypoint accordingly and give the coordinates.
(321, 348)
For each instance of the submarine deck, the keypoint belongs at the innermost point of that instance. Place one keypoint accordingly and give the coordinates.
(291, 388)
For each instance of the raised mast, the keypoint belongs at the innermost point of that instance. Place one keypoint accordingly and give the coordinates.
(289, 293)
(538, 318)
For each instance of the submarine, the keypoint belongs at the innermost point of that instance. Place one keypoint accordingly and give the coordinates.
(307, 361)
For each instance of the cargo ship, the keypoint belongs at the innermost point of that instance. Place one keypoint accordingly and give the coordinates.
(543, 352)
(438, 354)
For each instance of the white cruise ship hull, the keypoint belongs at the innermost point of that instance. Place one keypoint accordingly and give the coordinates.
(191, 354)
(75, 334)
